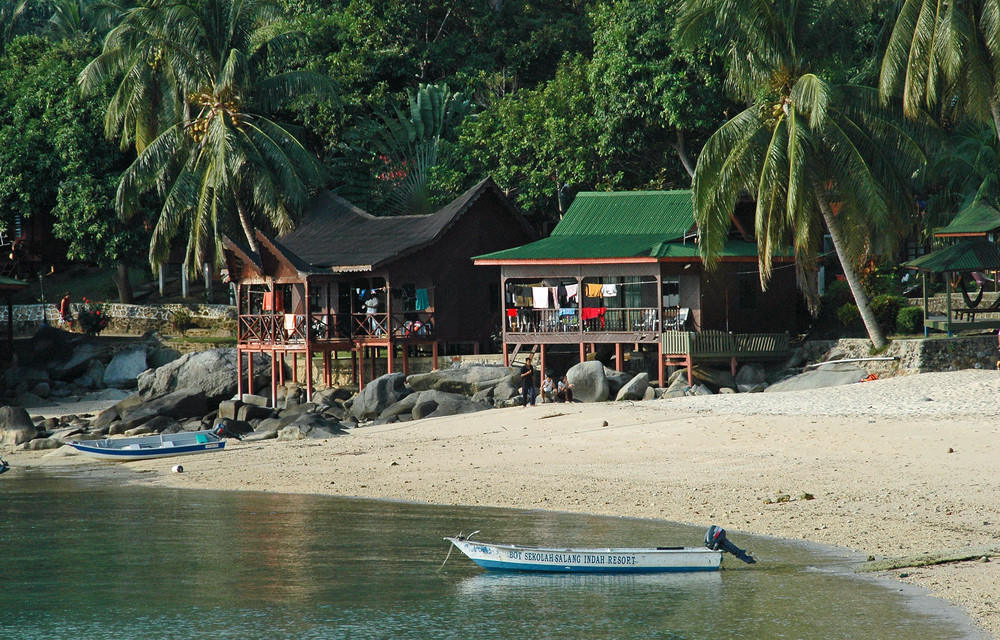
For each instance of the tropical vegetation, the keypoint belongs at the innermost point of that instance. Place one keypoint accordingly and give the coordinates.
(144, 129)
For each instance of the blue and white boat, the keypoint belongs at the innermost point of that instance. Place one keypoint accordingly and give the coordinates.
(513, 557)
(153, 446)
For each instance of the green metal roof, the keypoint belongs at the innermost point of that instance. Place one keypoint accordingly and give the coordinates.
(12, 283)
(667, 214)
(620, 224)
(975, 254)
(978, 217)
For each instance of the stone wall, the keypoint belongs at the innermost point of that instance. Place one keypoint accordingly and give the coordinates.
(917, 355)
(125, 318)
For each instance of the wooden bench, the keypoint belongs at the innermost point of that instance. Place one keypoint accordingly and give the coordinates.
(684, 347)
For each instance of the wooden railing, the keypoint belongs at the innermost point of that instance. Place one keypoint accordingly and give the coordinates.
(722, 344)
(525, 320)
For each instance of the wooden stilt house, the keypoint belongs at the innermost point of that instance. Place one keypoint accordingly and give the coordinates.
(622, 271)
(378, 288)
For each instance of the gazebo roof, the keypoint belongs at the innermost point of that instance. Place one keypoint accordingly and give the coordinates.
(974, 254)
(977, 218)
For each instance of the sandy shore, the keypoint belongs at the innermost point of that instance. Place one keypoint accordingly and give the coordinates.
(895, 467)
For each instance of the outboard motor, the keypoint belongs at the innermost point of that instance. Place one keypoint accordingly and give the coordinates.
(221, 431)
(715, 539)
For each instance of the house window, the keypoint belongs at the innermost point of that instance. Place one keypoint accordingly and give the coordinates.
(671, 291)
(749, 287)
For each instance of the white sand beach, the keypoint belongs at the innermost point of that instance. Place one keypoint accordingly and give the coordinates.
(888, 468)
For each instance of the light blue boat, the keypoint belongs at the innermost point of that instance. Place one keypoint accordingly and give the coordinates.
(154, 446)
(513, 557)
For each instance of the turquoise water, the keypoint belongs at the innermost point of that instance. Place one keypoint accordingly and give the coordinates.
(86, 557)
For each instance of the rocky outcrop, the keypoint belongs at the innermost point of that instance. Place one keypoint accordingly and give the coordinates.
(378, 395)
(213, 372)
(589, 382)
(432, 404)
(634, 389)
(16, 426)
(124, 369)
(830, 375)
(467, 380)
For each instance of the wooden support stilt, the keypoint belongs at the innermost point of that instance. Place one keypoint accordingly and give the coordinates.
(390, 357)
(406, 360)
(239, 373)
(249, 372)
(541, 362)
(618, 357)
(506, 356)
(583, 352)
(661, 370)
(434, 354)
(361, 368)
(274, 380)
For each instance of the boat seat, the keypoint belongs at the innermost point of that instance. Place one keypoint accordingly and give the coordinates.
(201, 438)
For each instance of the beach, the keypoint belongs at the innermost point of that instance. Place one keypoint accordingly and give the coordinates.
(889, 468)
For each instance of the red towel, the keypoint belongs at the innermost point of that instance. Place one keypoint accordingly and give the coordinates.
(511, 313)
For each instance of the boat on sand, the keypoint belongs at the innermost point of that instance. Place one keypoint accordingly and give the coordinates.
(513, 557)
(152, 446)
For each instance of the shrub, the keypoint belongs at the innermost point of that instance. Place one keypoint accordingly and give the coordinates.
(886, 309)
(838, 293)
(849, 315)
(92, 317)
(910, 320)
(181, 319)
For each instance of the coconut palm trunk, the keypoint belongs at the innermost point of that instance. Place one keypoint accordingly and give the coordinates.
(850, 273)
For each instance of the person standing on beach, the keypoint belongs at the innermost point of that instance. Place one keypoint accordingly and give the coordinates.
(64, 313)
(527, 382)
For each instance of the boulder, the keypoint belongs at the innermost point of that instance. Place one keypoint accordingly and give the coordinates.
(183, 403)
(23, 378)
(505, 391)
(41, 444)
(378, 394)
(699, 390)
(213, 372)
(616, 380)
(433, 404)
(234, 427)
(677, 389)
(713, 378)
(125, 367)
(466, 380)
(830, 375)
(42, 390)
(16, 426)
(310, 425)
(589, 382)
(159, 356)
(79, 361)
(749, 377)
(634, 389)
(333, 396)
(159, 424)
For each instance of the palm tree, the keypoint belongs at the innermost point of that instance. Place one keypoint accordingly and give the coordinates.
(408, 143)
(809, 151)
(946, 54)
(216, 159)
(10, 11)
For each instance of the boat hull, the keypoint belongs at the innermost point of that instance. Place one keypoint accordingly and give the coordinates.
(509, 557)
(150, 447)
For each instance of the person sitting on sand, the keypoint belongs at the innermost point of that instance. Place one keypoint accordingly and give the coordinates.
(564, 390)
(548, 390)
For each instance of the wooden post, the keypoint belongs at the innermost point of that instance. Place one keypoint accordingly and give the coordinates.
(308, 358)
(923, 277)
(434, 354)
(281, 368)
(239, 372)
(661, 366)
(618, 357)
(583, 351)
(506, 355)
(274, 380)
(541, 362)
(249, 373)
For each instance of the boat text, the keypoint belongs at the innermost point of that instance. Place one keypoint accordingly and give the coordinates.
(573, 558)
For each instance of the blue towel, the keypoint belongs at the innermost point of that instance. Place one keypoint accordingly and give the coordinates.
(422, 301)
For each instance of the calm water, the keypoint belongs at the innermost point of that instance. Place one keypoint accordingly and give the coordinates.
(85, 558)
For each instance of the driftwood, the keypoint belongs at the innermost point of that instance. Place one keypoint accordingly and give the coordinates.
(930, 558)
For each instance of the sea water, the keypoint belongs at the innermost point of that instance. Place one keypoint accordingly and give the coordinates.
(86, 557)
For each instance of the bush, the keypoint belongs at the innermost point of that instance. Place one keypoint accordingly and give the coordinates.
(181, 320)
(910, 320)
(92, 317)
(849, 315)
(838, 293)
(886, 309)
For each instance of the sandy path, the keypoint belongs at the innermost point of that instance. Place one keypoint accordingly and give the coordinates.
(895, 467)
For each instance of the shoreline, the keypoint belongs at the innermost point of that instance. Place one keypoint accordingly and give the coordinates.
(894, 468)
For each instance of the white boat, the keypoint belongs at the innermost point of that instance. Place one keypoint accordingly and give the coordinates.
(153, 446)
(513, 557)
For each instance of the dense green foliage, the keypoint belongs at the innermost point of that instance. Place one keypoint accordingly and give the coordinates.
(202, 123)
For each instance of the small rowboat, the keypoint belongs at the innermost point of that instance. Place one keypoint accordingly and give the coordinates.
(147, 447)
(512, 557)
